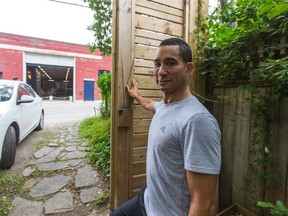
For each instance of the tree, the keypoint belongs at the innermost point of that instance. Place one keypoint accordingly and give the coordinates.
(102, 26)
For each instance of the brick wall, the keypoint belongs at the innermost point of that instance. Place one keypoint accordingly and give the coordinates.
(11, 59)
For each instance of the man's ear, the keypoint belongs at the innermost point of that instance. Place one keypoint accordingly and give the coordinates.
(190, 67)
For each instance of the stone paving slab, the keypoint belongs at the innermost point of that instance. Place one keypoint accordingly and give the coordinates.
(89, 194)
(86, 177)
(43, 151)
(51, 156)
(61, 202)
(50, 185)
(52, 166)
(23, 207)
(74, 155)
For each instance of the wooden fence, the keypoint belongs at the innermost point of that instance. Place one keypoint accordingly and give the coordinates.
(237, 184)
(138, 28)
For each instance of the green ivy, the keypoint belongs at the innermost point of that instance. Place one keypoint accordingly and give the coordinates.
(234, 38)
(104, 83)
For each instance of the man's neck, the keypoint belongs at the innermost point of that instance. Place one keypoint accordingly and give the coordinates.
(176, 96)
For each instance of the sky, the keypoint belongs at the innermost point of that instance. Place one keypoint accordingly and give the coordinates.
(47, 19)
(50, 19)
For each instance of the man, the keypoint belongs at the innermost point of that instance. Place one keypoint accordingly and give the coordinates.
(183, 156)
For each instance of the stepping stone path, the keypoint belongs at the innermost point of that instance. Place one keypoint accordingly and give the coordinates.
(59, 181)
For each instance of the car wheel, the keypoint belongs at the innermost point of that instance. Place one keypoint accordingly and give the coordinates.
(40, 126)
(9, 149)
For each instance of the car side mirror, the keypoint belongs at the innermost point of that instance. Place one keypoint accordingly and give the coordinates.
(25, 99)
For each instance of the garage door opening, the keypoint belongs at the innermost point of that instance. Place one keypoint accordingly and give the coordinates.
(48, 80)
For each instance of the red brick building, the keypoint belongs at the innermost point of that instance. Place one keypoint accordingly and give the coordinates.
(59, 69)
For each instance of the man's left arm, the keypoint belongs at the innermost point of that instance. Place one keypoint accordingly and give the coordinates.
(202, 189)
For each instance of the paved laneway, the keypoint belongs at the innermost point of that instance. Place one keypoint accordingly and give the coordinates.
(58, 179)
(57, 111)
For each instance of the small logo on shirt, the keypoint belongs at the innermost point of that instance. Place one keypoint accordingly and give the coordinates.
(163, 129)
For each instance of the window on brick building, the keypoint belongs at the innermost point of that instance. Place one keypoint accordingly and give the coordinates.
(100, 72)
(1, 75)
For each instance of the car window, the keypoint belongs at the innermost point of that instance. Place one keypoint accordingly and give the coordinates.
(31, 91)
(6, 91)
(23, 90)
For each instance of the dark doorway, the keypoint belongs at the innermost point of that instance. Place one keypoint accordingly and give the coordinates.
(49, 80)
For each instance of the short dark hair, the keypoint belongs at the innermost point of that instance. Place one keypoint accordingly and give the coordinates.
(185, 50)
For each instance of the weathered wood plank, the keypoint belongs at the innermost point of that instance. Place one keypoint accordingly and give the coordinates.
(154, 94)
(146, 41)
(277, 190)
(159, 14)
(139, 154)
(162, 26)
(138, 182)
(228, 134)
(143, 63)
(121, 146)
(177, 11)
(179, 4)
(144, 71)
(138, 168)
(151, 35)
(146, 82)
(141, 113)
(145, 52)
(241, 146)
(140, 139)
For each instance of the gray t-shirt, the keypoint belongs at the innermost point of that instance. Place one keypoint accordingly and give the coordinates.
(182, 136)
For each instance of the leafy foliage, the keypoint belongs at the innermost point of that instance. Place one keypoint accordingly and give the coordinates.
(104, 83)
(279, 209)
(102, 26)
(235, 35)
(97, 131)
(234, 38)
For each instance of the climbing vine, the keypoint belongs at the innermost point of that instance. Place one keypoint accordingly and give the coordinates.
(243, 43)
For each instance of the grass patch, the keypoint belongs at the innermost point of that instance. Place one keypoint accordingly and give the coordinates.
(97, 132)
(46, 138)
(10, 185)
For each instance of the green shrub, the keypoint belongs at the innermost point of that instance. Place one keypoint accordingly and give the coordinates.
(104, 83)
(97, 132)
(279, 209)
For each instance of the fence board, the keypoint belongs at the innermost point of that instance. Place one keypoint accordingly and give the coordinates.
(162, 26)
(151, 35)
(138, 168)
(141, 113)
(228, 123)
(145, 52)
(179, 4)
(159, 14)
(241, 147)
(277, 190)
(144, 71)
(177, 11)
(140, 140)
(139, 154)
(143, 63)
(146, 82)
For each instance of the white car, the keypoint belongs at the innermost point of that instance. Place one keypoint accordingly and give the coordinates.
(21, 111)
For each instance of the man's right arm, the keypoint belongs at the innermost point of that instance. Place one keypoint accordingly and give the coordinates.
(147, 103)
